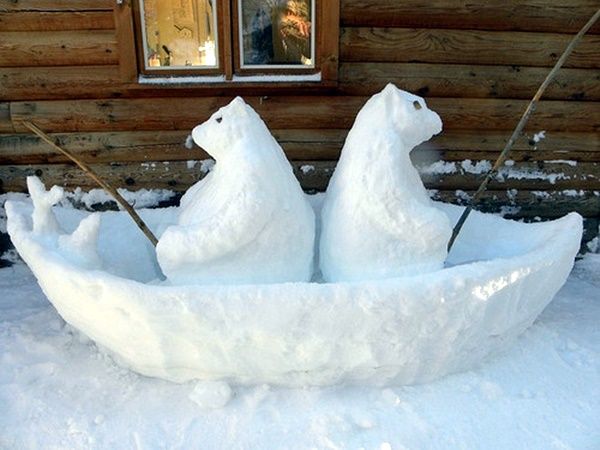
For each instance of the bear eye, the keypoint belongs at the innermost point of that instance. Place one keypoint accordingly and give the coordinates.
(417, 105)
(219, 119)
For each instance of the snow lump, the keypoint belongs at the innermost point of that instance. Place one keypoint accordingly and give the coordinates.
(248, 220)
(81, 246)
(377, 219)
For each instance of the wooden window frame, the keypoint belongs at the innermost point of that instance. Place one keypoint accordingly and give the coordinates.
(132, 63)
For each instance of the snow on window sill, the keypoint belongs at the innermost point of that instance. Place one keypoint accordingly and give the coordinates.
(272, 78)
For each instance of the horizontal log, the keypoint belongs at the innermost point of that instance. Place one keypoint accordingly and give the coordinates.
(309, 144)
(57, 48)
(181, 113)
(153, 146)
(291, 113)
(83, 82)
(159, 175)
(59, 82)
(56, 21)
(469, 174)
(564, 143)
(528, 204)
(523, 175)
(430, 80)
(523, 15)
(465, 47)
(313, 175)
(53, 5)
(455, 80)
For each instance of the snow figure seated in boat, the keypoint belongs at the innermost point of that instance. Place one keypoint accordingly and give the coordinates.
(247, 221)
(377, 220)
(393, 307)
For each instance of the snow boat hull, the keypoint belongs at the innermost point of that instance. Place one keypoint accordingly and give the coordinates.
(501, 275)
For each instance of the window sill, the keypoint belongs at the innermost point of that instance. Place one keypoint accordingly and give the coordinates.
(220, 79)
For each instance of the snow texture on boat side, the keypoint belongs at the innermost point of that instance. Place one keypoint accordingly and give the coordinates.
(248, 220)
(403, 330)
(379, 222)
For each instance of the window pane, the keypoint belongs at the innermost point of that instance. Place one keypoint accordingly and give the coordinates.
(277, 32)
(179, 33)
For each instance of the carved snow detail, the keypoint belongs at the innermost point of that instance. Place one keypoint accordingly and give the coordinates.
(81, 245)
(44, 220)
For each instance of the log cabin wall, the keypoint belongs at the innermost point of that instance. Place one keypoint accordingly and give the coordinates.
(477, 64)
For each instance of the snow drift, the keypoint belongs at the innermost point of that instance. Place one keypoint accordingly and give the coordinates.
(402, 330)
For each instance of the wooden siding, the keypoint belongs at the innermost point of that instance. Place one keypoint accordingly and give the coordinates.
(498, 15)
(72, 6)
(465, 47)
(56, 21)
(57, 48)
(476, 63)
(292, 112)
(311, 144)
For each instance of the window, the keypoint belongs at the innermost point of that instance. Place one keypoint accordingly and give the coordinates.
(179, 34)
(237, 40)
(275, 33)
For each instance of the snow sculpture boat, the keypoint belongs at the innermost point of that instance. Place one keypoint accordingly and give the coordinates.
(501, 274)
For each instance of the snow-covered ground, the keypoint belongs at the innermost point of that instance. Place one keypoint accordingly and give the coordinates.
(59, 391)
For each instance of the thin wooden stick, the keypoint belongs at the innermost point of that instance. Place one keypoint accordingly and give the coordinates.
(518, 130)
(88, 170)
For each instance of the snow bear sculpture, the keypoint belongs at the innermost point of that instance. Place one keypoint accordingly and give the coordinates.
(377, 219)
(248, 220)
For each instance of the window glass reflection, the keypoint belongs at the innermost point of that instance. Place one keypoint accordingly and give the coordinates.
(179, 33)
(276, 32)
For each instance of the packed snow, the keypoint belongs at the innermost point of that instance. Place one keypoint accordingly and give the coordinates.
(206, 165)
(142, 198)
(442, 167)
(568, 162)
(248, 220)
(380, 223)
(58, 389)
(529, 174)
(500, 276)
(307, 168)
(509, 171)
(539, 136)
(439, 168)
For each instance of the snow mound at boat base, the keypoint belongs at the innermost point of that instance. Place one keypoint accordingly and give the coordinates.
(500, 276)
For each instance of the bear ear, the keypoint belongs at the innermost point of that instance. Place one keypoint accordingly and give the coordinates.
(236, 109)
(390, 99)
(390, 89)
(238, 105)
